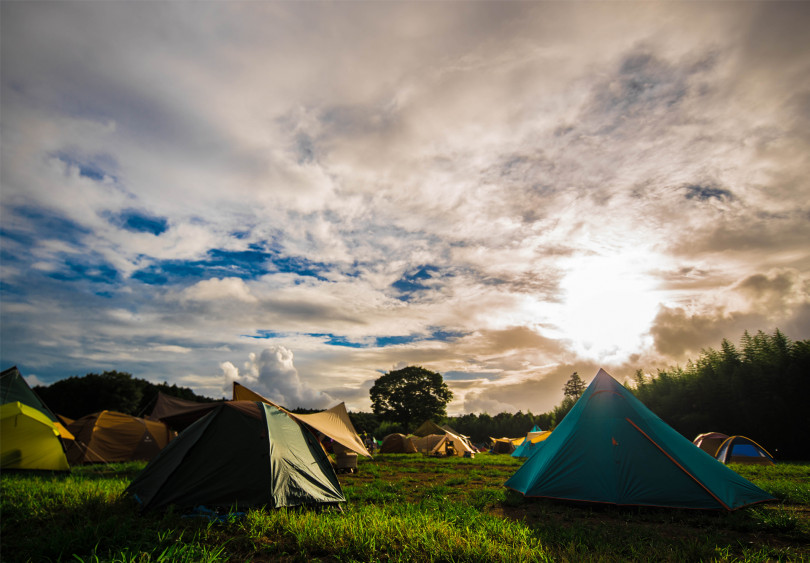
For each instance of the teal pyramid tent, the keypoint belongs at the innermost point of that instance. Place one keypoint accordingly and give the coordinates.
(531, 443)
(241, 454)
(610, 448)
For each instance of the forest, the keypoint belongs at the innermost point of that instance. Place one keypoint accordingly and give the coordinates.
(758, 389)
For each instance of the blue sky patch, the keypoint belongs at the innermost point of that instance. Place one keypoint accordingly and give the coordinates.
(705, 193)
(138, 222)
(412, 282)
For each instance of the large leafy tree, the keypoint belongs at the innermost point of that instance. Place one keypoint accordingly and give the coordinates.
(410, 396)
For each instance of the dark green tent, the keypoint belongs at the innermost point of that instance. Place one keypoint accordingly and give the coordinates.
(241, 454)
(610, 448)
(13, 387)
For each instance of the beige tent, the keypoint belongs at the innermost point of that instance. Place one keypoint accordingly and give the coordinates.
(451, 442)
(333, 423)
(110, 436)
(397, 444)
(709, 442)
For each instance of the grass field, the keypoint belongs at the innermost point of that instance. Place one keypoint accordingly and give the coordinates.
(400, 508)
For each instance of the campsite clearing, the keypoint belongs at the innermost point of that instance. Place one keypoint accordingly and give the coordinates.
(399, 508)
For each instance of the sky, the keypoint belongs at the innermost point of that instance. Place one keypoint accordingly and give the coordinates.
(303, 196)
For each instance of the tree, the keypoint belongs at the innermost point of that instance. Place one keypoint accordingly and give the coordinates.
(410, 396)
(574, 387)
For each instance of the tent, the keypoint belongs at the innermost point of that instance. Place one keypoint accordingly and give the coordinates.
(453, 442)
(610, 448)
(241, 454)
(14, 387)
(739, 449)
(397, 444)
(178, 413)
(709, 442)
(333, 423)
(504, 445)
(530, 443)
(29, 440)
(109, 436)
(427, 428)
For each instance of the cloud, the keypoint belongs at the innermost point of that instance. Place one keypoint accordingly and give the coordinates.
(219, 289)
(273, 375)
(518, 190)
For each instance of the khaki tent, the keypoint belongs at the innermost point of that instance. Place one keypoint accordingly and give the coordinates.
(29, 440)
(239, 455)
(397, 444)
(504, 445)
(333, 423)
(178, 413)
(14, 387)
(109, 436)
(709, 442)
(451, 442)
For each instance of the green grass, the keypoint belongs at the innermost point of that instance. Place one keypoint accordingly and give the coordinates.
(399, 508)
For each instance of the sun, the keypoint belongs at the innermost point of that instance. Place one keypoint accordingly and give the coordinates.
(609, 304)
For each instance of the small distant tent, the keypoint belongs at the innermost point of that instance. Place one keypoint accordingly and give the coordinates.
(530, 443)
(610, 448)
(29, 440)
(504, 445)
(241, 454)
(397, 444)
(109, 436)
(333, 423)
(14, 387)
(739, 449)
(433, 439)
(709, 442)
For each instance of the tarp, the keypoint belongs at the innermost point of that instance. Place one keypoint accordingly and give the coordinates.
(241, 454)
(29, 440)
(739, 449)
(334, 423)
(610, 448)
(530, 443)
(14, 387)
(109, 436)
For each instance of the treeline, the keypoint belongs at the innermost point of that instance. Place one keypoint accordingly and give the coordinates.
(77, 396)
(759, 389)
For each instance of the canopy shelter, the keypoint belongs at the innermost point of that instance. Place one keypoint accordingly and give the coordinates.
(530, 443)
(14, 387)
(241, 454)
(610, 448)
(739, 449)
(29, 440)
(709, 442)
(333, 423)
(109, 436)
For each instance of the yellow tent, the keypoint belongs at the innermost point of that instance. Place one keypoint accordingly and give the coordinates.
(29, 440)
